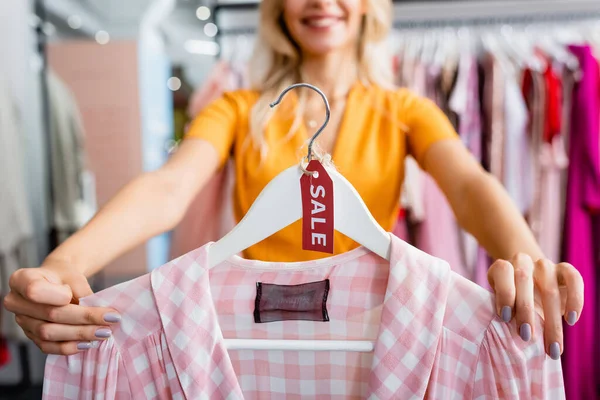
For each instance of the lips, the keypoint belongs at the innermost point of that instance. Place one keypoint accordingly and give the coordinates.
(321, 21)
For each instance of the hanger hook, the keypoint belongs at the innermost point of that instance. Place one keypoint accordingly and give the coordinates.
(327, 111)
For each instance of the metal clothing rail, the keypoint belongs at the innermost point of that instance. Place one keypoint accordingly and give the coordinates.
(476, 13)
(475, 22)
(408, 14)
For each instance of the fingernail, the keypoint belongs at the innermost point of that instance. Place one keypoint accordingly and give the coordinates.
(103, 333)
(84, 345)
(112, 317)
(506, 313)
(571, 318)
(555, 351)
(525, 332)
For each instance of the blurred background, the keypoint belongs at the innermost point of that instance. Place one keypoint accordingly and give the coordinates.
(94, 92)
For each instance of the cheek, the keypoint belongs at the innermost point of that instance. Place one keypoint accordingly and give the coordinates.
(355, 10)
(292, 13)
(292, 9)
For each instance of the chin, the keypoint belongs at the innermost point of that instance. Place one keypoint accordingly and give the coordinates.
(321, 48)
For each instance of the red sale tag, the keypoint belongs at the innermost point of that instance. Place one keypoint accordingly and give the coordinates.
(317, 209)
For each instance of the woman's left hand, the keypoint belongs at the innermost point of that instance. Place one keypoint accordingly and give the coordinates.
(524, 287)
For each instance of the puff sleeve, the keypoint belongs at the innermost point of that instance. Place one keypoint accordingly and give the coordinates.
(509, 368)
(97, 373)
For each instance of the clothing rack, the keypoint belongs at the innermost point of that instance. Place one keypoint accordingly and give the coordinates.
(435, 14)
(26, 383)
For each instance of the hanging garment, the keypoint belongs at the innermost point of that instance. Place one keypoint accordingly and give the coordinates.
(546, 212)
(569, 77)
(436, 335)
(553, 160)
(210, 215)
(582, 227)
(414, 77)
(517, 178)
(464, 101)
(401, 230)
(492, 97)
(17, 242)
(4, 352)
(70, 209)
(436, 233)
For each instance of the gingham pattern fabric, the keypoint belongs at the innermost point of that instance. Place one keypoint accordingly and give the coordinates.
(436, 336)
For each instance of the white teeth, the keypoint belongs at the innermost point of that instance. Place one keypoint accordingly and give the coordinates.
(321, 22)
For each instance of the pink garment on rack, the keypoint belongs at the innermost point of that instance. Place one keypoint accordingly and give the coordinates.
(582, 227)
(492, 141)
(465, 103)
(436, 233)
(436, 335)
(517, 179)
(210, 215)
(549, 160)
(414, 76)
(553, 160)
(496, 139)
(401, 228)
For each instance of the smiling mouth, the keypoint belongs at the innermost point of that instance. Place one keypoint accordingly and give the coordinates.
(321, 22)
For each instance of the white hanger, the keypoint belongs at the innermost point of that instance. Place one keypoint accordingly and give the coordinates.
(556, 51)
(442, 53)
(279, 205)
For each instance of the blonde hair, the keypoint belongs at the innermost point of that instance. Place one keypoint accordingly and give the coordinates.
(276, 61)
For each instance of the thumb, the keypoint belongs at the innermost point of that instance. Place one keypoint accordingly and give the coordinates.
(80, 287)
(41, 286)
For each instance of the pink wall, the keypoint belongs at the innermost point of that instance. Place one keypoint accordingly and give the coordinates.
(104, 80)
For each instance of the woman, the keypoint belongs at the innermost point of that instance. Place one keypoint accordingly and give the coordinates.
(336, 46)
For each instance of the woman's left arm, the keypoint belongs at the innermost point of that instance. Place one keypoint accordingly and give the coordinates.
(523, 279)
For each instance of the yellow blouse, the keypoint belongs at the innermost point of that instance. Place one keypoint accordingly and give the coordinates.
(378, 129)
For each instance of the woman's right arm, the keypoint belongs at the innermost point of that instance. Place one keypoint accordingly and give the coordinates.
(155, 202)
(151, 204)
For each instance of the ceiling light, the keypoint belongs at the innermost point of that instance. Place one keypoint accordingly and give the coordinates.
(48, 28)
(203, 47)
(174, 83)
(203, 13)
(34, 21)
(210, 29)
(74, 21)
(102, 37)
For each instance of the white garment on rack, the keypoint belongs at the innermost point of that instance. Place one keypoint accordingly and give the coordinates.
(70, 210)
(17, 247)
(516, 178)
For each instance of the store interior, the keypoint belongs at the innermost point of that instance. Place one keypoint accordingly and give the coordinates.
(95, 92)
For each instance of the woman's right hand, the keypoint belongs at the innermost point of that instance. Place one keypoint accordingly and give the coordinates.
(44, 301)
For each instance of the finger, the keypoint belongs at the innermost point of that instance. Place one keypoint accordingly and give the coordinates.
(52, 332)
(70, 314)
(571, 278)
(80, 286)
(501, 279)
(545, 276)
(60, 348)
(40, 286)
(525, 307)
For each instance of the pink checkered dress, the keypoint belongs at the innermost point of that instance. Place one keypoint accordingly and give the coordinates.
(436, 336)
